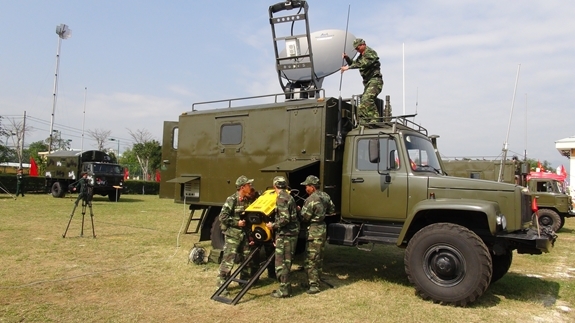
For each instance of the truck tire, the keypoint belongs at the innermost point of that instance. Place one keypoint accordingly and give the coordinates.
(549, 218)
(113, 198)
(216, 235)
(448, 264)
(501, 265)
(57, 190)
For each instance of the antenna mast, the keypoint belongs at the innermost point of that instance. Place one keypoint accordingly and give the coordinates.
(501, 172)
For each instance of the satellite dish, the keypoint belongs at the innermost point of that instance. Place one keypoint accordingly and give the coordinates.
(63, 31)
(327, 47)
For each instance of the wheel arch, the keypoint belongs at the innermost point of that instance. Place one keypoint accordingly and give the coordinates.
(476, 215)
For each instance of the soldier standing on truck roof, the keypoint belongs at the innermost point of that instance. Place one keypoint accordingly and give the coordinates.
(286, 226)
(369, 69)
(313, 213)
(236, 244)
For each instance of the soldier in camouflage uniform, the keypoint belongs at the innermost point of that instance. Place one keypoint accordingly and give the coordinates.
(369, 69)
(286, 227)
(20, 183)
(316, 207)
(233, 226)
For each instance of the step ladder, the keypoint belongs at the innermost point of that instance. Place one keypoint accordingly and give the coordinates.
(199, 220)
(246, 284)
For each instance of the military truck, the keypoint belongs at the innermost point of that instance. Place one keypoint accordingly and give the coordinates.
(552, 199)
(386, 180)
(64, 168)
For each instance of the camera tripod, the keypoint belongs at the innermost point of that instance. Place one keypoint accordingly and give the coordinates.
(86, 202)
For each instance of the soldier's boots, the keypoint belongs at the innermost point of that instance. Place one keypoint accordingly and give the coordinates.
(282, 292)
(225, 292)
(313, 289)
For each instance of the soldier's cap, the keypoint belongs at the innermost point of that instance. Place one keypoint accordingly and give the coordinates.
(280, 182)
(243, 180)
(311, 180)
(357, 42)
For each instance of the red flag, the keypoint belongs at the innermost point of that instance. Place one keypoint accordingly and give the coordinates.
(157, 175)
(534, 206)
(563, 171)
(33, 167)
(126, 173)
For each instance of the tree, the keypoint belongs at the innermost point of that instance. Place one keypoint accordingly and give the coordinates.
(101, 136)
(534, 163)
(17, 132)
(147, 150)
(33, 151)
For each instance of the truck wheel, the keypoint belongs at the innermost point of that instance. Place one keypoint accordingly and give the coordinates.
(562, 222)
(216, 235)
(549, 218)
(501, 264)
(57, 190)
(448, 263)
(113, 198)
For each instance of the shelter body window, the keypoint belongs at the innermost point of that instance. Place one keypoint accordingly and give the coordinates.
(231, 134)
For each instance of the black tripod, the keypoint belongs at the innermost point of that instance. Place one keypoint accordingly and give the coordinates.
(86, 201)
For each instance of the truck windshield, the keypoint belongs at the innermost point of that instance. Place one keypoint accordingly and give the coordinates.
(422, 157)
(107, 168)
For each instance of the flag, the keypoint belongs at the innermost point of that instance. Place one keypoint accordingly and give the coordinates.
(563, 171)
(534, 206)
(33, 167)
(157, 175)
(126, 173)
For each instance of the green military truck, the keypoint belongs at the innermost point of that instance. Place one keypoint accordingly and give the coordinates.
(64, 167)
(386, 180)
(552, 199)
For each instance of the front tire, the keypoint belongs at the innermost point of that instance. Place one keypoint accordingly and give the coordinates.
(448, 264)
(549, 218)
(501, 265)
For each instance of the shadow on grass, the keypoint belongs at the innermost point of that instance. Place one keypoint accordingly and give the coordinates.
(123, 199)
(520, 288)
(565, 230)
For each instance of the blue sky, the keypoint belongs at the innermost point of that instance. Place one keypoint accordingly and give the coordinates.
(144, 62)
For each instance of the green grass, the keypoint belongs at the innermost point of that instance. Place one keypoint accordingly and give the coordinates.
(137, 270)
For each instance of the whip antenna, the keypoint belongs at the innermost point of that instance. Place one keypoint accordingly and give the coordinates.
(338, 138)
(344, 45)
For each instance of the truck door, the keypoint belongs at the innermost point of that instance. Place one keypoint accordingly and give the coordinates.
(169, 154)
(370, 197)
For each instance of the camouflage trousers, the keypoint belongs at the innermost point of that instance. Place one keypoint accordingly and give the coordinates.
(314, 253)
(236, 249)
(285, 249)
(367, 109)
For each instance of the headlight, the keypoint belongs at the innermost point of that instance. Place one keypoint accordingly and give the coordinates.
(501, 222)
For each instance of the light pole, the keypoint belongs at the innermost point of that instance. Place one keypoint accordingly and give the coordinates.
(118, 140)
(63, 33)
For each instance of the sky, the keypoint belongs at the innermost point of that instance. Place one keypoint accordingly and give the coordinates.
(477, 73)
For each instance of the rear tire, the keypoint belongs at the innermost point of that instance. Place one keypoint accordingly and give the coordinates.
(216, 235)
(112, 196)
(448, 264)
(549, 218)
(57, 190)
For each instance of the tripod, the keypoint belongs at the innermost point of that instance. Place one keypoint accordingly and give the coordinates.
(6, 191)
(86, 201)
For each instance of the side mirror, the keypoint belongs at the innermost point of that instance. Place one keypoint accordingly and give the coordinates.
(374, 151)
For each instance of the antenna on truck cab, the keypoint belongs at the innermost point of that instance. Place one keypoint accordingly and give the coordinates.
(306, 58)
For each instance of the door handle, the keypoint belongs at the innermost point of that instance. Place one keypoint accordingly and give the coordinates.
(357, 180)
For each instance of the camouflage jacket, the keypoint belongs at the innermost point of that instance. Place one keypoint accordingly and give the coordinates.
(19, 179)
(368, 64)
(232, 212)
(316, 206)
(286, 222)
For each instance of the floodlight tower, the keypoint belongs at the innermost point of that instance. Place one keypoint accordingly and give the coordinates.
(63, 33)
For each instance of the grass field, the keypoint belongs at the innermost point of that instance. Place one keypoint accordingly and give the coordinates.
(137, 270)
